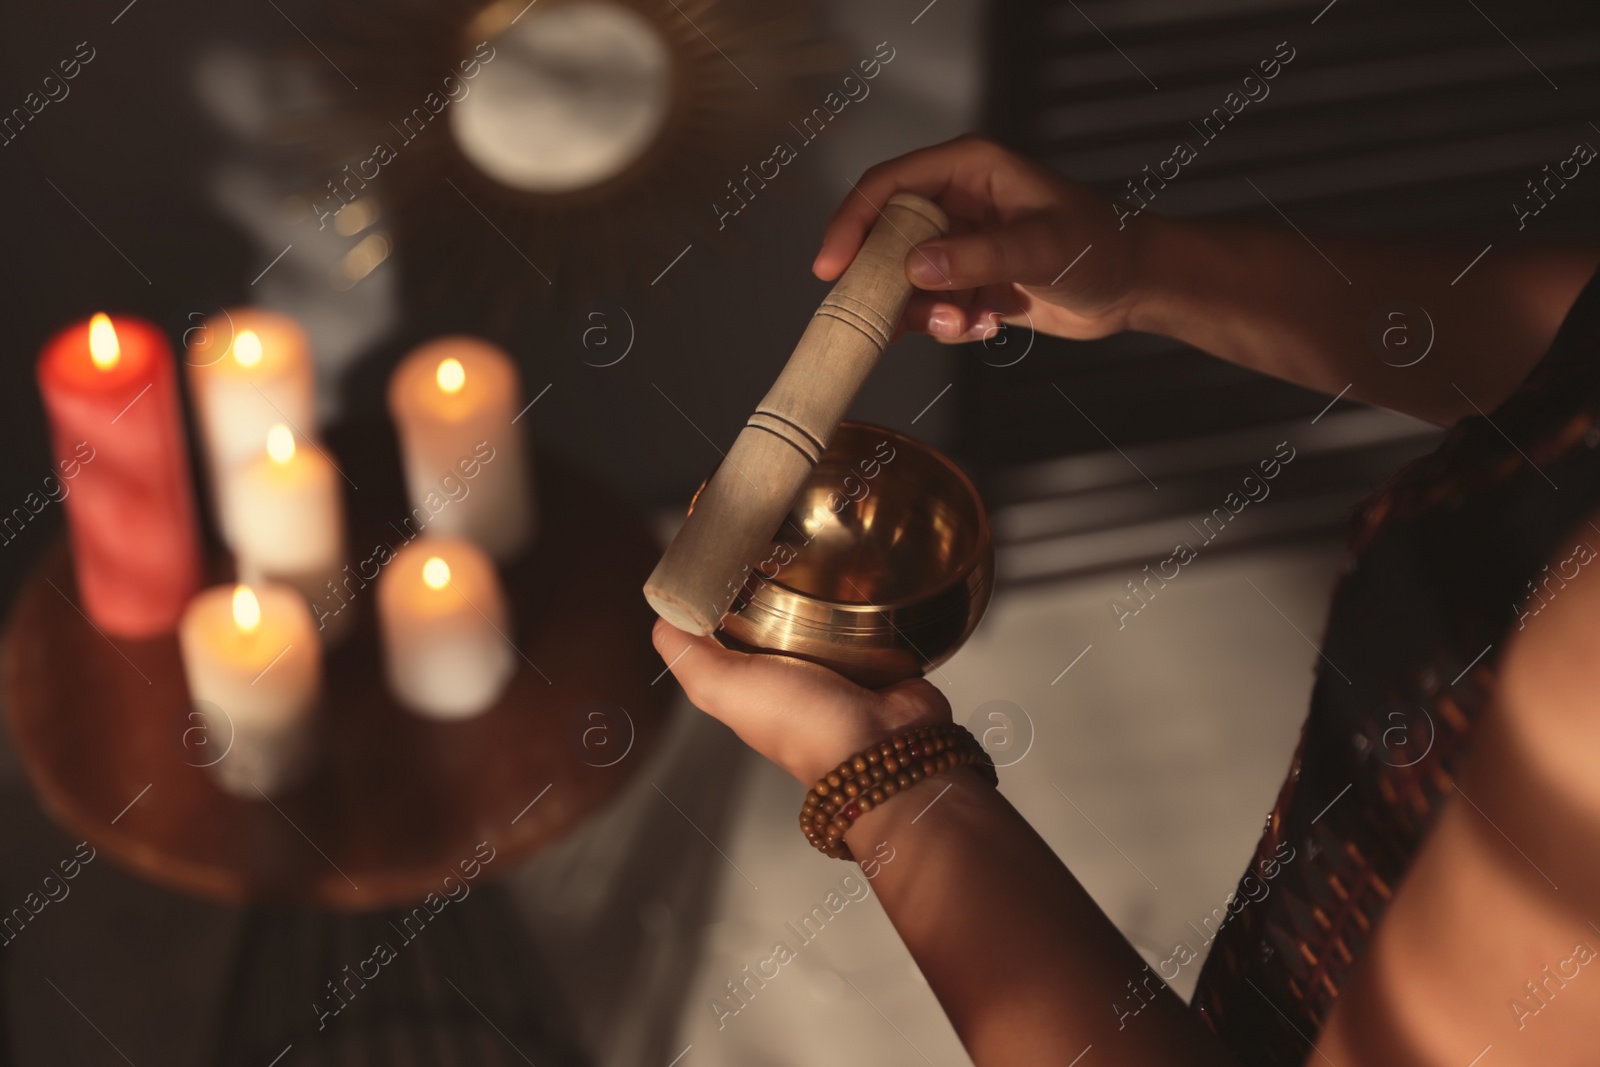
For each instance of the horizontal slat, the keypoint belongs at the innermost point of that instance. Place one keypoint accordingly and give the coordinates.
(1088, 63)
(1350, 84)
(1373, 173)
(1143, 16)
(1338, 431)
(1289, 134)
(1150, 543)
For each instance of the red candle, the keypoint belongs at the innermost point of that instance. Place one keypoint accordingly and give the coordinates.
(111, 394)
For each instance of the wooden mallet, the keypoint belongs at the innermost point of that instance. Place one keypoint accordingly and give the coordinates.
(741, 509)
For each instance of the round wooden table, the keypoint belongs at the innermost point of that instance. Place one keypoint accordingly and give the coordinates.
(395, 802)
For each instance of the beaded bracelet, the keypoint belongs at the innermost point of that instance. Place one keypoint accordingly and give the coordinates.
(878, 772)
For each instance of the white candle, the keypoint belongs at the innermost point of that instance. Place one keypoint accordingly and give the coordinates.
(287, 516)
(254, 668)
(248, 371)
(446, 631)
(452, 401)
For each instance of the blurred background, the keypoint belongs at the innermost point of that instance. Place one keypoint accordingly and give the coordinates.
(201, 158)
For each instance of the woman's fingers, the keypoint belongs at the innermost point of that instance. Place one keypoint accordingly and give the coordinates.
(955, 174)
(944, 316)
(709, 674)
(803, 717)
(737, 687)
(797, 714)
(956, 318)
(1013, 224)
(1032, 252)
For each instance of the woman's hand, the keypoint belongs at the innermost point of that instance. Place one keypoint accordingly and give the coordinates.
(1013, 255)
(803, 717)
(1269, 299)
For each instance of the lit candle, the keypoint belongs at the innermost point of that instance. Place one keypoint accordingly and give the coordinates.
(446, 631)
(248, 371)
(287, 516)
(110, 392)
(453, 401)
(254, 669)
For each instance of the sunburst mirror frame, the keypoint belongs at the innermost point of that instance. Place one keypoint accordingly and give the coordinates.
(737, 69)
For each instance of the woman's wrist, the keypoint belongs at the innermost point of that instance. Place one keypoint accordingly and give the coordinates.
(893, 711)
(846, 744)
(1170, 257)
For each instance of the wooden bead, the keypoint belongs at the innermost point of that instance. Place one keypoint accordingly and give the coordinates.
(881, 771)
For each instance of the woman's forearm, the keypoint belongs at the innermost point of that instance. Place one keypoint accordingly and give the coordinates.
(1025, 964)
(1333, 314)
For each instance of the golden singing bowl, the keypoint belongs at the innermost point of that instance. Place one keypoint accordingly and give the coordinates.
(882, 569)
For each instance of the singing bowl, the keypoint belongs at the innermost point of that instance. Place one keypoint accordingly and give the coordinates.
(880, 571)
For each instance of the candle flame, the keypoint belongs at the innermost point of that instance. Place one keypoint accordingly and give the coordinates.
(103, 346)
(246, 609)
(436, 573)
(451, 375)
(280, 443)
(247, 348)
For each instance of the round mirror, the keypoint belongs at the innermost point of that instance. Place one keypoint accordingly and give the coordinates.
(577, 92)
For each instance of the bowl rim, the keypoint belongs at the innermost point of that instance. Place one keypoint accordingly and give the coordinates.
(982, 544)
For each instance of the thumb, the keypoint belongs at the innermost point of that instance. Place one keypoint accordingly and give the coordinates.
(1031, 252)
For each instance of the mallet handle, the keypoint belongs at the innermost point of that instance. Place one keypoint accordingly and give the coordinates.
(741, 509)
